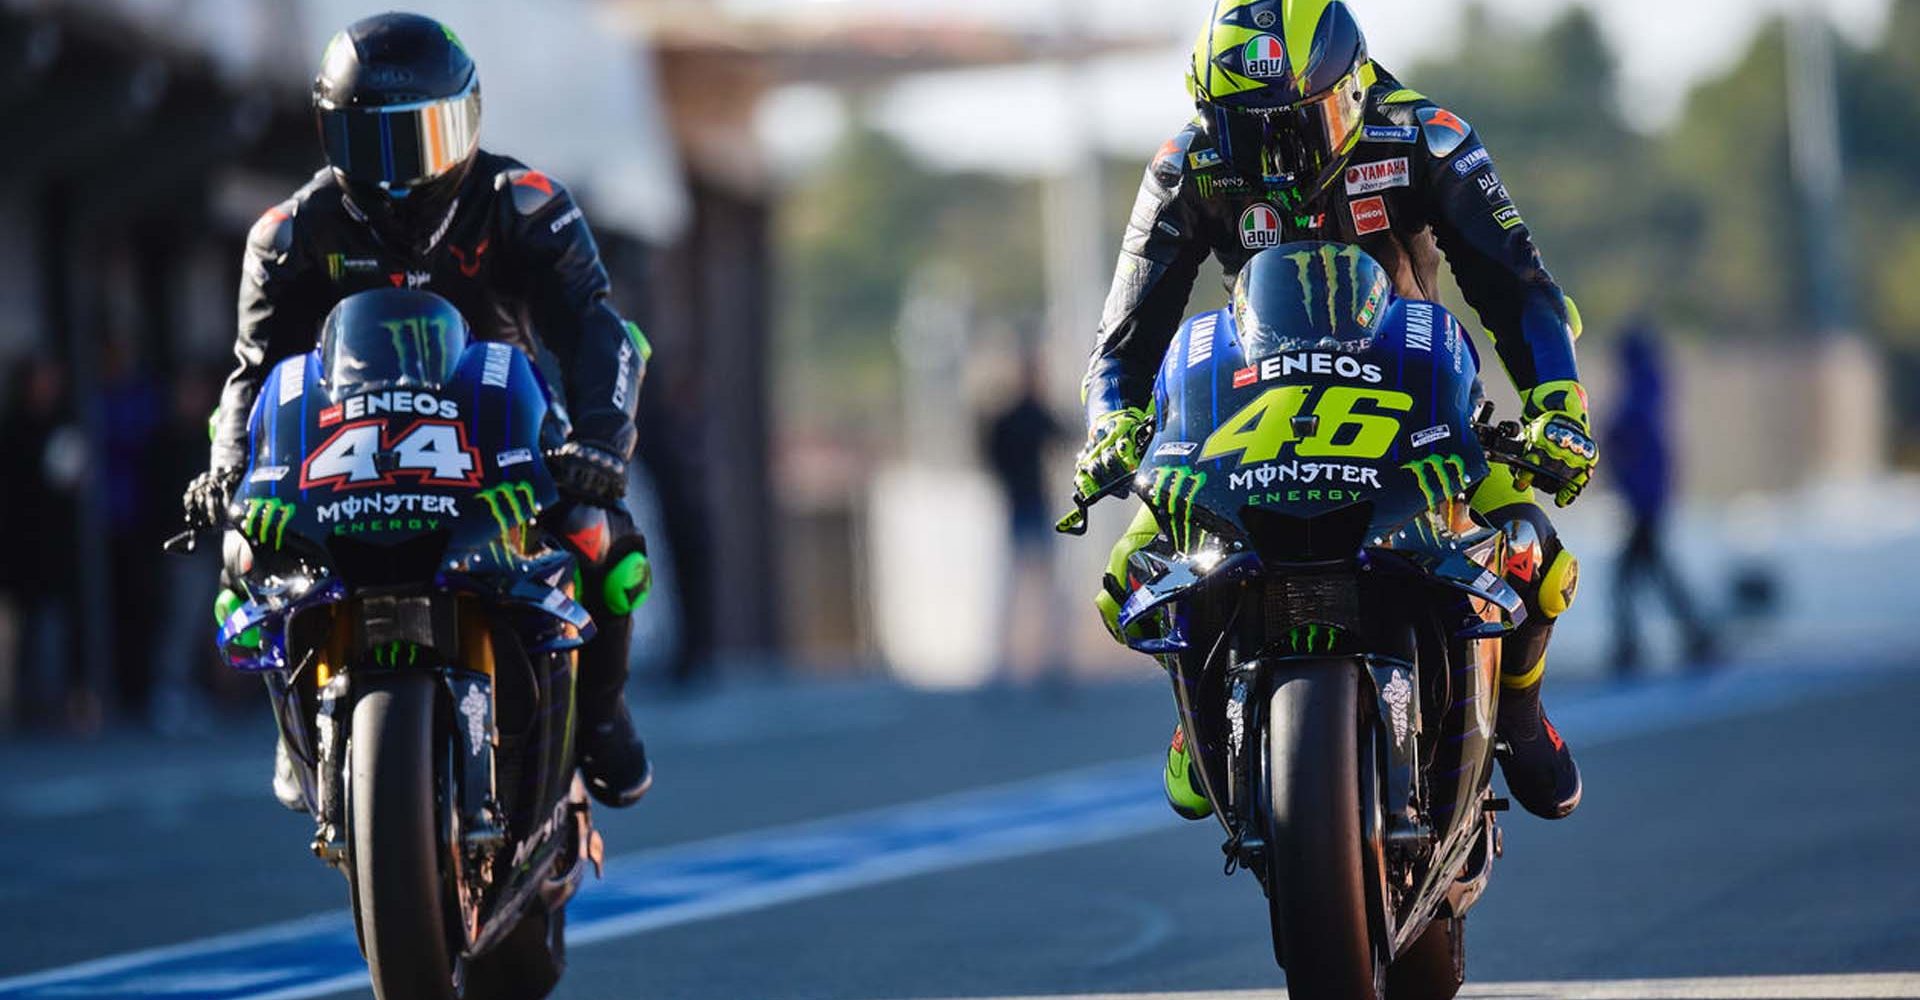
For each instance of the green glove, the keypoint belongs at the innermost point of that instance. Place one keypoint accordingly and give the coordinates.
(1112, 450)
(1558, 439)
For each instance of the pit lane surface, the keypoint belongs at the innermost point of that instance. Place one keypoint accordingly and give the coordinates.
(866, 842)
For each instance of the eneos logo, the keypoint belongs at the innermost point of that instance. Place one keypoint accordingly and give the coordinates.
(1260, 227)
(1264, 57)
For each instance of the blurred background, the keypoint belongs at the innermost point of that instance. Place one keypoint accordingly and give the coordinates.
(869, 240)
(861, 233)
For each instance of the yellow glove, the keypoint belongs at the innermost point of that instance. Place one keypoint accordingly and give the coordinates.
(1557, 437)
(1112, 450)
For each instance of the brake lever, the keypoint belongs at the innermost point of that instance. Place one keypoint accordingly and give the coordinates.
(1075, 523)
(183, 543)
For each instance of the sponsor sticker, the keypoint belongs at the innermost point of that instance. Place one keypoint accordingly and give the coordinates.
(1366, 178)
(1176, 449)
(1264, 57)
(1438, 432)
(497, 366)
(1473, 160)
(293, 382)
(1493, 189)
(513, 456)
(330, 415)
(1200, 340)
(1370, 310)
(1508, 217)
(386, 505)
(1265, 475)
(1420, 327)
(572, 216)
(268, 474)
(1391, 133)
(1204, 159)
(1318, 363)
(1370, 215)
(1260, 227)
(373, 404)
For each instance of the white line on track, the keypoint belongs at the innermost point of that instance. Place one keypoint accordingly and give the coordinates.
(317, 956)
(1839, 986)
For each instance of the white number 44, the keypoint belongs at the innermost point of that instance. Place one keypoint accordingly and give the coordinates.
(434, 450)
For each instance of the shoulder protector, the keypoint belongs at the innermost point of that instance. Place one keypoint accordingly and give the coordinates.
(530, 190)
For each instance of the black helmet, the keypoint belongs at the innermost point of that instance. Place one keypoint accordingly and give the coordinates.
(398, 104)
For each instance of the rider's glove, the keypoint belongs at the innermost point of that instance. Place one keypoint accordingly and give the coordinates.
(207, 497)
(1112, 450)
(1557, 436)
(587, 474)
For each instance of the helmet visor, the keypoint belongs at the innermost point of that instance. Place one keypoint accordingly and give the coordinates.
(1296, 142)
(401, 146)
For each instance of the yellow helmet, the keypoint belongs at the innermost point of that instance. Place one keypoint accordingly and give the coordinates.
(1282, 85)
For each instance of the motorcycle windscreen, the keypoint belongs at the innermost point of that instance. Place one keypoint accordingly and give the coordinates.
(441, 469)
(1383, 419)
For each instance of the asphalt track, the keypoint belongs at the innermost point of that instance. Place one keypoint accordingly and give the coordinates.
(1750, 834)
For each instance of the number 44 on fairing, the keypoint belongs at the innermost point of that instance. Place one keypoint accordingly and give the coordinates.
(362, 454)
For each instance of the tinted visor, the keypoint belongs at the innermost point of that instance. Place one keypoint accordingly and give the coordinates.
(1297, 142)
(401, 146)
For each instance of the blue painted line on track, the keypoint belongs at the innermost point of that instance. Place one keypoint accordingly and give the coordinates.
(317, 955)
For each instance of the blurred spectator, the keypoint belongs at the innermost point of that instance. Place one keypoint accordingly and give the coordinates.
(184, 645)
(139, 516)
(1015, 443)
(1639, 458)
(42, 462)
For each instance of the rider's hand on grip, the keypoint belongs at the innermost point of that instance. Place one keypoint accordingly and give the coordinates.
(587, 474)
(1558, 443)
(207, 498)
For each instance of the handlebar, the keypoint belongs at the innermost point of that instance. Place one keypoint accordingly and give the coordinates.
(1505, 442)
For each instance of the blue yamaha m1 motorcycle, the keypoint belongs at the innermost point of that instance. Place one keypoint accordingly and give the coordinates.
(397, 568)
(1330, 609)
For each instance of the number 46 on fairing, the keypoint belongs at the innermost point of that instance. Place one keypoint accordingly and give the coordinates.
(362, 454)
(1338, 430)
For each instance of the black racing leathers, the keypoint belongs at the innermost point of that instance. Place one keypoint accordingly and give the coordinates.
(514, 255)
(1418, 185)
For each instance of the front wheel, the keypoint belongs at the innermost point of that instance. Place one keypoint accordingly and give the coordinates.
(1434, 966)
(1316, 883)
(393, 840)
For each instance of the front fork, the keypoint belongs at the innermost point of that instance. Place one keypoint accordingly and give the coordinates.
(1395, 830)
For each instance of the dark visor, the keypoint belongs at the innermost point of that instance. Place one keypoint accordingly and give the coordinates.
(400, 146)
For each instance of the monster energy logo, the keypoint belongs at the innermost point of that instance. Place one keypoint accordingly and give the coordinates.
(511, 504)
(265, 517)
(390, 654)
(340, 265)
(1439, 476)
(1338, 277)
(1294, 200)
(1313, 638)
(419, 333)
(1174, 490)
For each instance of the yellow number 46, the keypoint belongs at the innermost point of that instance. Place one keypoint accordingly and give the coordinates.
(1266, 425)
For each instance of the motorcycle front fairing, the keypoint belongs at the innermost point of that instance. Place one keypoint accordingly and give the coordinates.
(376, 485)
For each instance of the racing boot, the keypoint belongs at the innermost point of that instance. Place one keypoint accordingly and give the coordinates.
(613, 761)
(1183, 785)
(1539, 768)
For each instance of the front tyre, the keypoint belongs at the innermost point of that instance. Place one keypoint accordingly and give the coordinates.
(1316, 883)
(393, 839)
(1434, 966)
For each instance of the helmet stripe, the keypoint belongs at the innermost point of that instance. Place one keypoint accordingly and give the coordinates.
(1302, 19)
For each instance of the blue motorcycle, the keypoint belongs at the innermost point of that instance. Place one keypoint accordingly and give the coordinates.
(1329, 607)
(397, 569)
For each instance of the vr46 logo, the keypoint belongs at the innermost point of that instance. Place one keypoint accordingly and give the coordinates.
(1334, 428)
(363, 454)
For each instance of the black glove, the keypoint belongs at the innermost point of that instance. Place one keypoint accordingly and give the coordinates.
(587, 474)
(207, 497)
